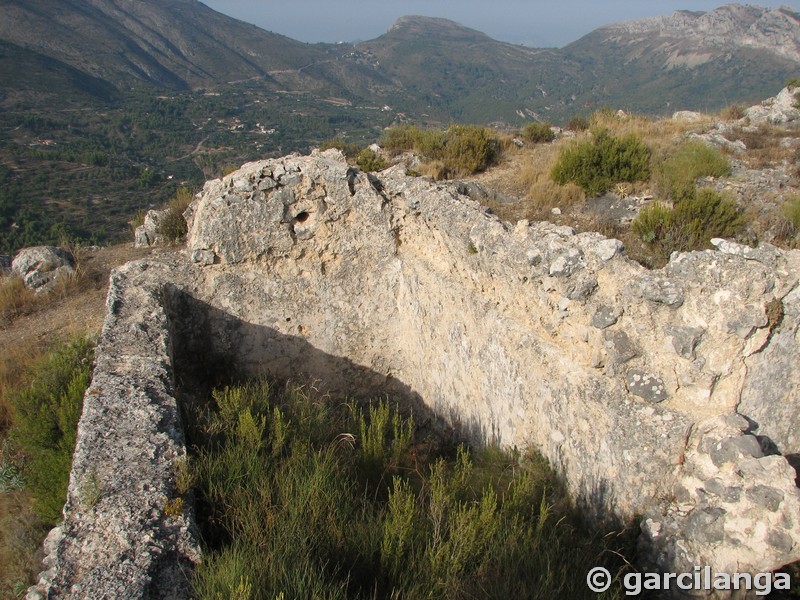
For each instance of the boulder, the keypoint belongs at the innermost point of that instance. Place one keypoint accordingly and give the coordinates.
(783, 109)
(41, 266)
(148, 233)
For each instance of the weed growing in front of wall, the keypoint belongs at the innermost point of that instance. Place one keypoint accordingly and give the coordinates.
(302, 498)
(173, 225)
(45, 418)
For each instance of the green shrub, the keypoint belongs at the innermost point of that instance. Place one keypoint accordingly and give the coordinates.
(401, 138)
(793, 82)
(597, 164)
(733, 112)
(288, 510)
(652, 222)
(369, 160)
(677, 175)
(173, 225)
(538, 133)
(791, 210)
(461, 149)
(45, 420)
(690, 224)
(469, 149)
(708, 215)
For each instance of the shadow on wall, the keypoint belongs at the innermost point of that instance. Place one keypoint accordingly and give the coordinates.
(212, 348)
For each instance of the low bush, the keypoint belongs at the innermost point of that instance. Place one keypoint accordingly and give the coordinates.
(538, 133)
(676, 176)
(733, 112)
(44, 422)
(597, 164)
(369, 160)
(791, 211)
(173, 225)
(652, 222)
(15, 299)
(299, 498)
(577, 123)
(708, 215)
(462, 149)
(691, 224)
(401, 138)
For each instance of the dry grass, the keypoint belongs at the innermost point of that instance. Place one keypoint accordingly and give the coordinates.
(766, 145)
(542, 193)
(21, 534)
(15, 299)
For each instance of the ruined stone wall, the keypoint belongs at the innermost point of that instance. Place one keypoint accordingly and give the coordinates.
(530, 335)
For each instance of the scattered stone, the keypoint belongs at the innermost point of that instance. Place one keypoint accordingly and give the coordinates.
(730, 450)
(646, 386)
(684, 339)
(605, 316)
(203, 257)
(608, 249)
(658, 289)
(567, 263)
(619, 348)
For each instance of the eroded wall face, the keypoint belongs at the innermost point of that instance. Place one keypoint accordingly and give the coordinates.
(530, 335)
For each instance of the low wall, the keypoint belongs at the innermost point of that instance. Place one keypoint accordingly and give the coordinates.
(530, 335)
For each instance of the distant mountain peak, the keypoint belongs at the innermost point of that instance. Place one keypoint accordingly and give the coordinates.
(442, 29)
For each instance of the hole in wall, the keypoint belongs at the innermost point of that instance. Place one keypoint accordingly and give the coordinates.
(302, 217)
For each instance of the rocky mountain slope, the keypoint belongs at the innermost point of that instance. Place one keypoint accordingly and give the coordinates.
(178, 44)
(420, 66)
(698, 59)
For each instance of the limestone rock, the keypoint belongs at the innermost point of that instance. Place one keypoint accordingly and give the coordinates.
(148, 233)
(687, 115)
(645, 385)
(736, 511)
(779, 110)
(41, 266)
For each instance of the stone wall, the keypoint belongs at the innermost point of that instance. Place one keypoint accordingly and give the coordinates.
(526, 335)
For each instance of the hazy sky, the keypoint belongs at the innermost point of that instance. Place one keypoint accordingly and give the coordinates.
(541, 23)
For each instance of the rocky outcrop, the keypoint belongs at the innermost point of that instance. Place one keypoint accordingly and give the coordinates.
(627, 380)
(149, 232)
(41, 266)
(783, 109)
(695, 36)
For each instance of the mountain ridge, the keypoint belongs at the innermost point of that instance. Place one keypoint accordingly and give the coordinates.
(420, 65)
